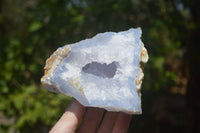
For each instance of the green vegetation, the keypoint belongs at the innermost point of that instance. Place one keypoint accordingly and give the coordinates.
(30, 30)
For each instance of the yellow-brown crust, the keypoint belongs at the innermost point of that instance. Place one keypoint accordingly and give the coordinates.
(56, 57)
(140, 76)
(144, 55)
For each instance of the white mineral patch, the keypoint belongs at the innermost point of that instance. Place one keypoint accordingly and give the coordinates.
(103, 71)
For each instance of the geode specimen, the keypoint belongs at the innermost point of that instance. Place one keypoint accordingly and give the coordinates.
(104, 71)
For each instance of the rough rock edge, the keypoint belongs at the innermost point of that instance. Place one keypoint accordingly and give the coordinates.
(51, 65)
(139, 77)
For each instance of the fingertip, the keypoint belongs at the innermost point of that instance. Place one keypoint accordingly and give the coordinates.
(70, 119)
(122, 123)
(76, 108)
(91, 120)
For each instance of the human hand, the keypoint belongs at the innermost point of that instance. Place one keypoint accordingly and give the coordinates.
(92, 122)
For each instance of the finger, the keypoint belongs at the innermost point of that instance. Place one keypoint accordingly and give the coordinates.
(108, 122)
(122, 123)
(70, 119)
(91, 120)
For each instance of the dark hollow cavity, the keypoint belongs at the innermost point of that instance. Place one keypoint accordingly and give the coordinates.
(101, 70)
